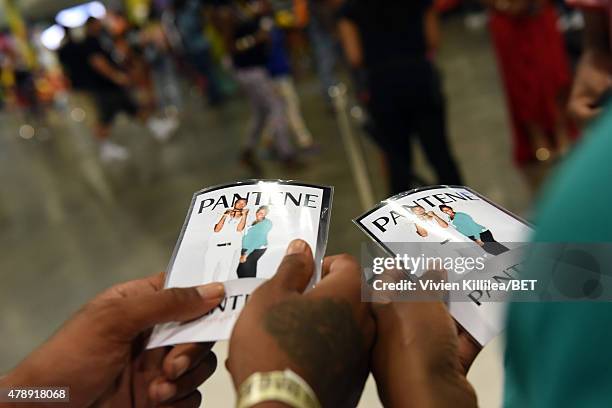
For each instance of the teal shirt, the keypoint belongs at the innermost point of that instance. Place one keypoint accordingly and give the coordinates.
(257, 236)
(560, 354)
(466, 225)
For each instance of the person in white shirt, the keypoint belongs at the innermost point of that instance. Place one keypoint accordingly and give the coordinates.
(423, 219)
(225, 243)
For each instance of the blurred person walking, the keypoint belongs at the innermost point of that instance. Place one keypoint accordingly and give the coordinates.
(280, 69)
(246, 27)
(107, 81)
(536, 75)
(70, 57)
(320, 31)
(26, 91)
(128, 52)
(393, 42)
(156, 50)
(20, 76)
(189, 20)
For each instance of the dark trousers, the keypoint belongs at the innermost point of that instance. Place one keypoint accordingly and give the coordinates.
(490, 244)
(248, 269)
(111, 102)
(406, 103)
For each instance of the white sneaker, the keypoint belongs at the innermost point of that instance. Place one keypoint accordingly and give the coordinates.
(113, 152)
(162, 129)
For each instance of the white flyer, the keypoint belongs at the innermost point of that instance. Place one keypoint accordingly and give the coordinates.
(454, 223)
(238, 234)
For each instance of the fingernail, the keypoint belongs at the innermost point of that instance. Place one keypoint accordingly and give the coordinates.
(180, 365)
(212, 290)
(296, 246)
(165, 391)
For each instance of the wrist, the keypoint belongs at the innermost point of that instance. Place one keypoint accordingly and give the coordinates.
(419, 370)
(438, 392)
(274, 389)
(428, 379)
(420, 386)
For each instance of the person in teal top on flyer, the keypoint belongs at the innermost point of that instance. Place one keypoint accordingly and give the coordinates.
(465, 224)
(254, 244)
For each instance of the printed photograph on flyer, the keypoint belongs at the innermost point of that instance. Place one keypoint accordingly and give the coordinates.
(441, 214)
(238, 234)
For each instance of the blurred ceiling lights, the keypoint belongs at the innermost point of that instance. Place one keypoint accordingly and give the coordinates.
(52, 37)
(71, 17)
(76, 16)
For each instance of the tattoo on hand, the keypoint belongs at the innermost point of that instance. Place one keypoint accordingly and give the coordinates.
(319, 335)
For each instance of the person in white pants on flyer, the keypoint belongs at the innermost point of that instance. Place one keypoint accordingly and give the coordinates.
(224, 245)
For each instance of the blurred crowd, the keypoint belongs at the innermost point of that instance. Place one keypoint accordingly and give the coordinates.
(141, 67)
(555, 67)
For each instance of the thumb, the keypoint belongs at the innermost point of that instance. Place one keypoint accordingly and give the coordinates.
(296, 268)
(169, 305)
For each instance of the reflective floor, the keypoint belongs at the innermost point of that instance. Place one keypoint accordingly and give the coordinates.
(71, 226)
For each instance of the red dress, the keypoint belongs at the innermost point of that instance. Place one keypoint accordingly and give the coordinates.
(535, 71)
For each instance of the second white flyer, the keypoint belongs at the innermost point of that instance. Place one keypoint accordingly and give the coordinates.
(454, 223)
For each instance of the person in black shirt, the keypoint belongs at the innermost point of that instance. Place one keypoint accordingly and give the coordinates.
(393, 41)
(246, 30)
(106, 82)
(69, 55)
(101, 71)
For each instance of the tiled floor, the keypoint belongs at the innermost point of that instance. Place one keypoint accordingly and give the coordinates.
(71, 226)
